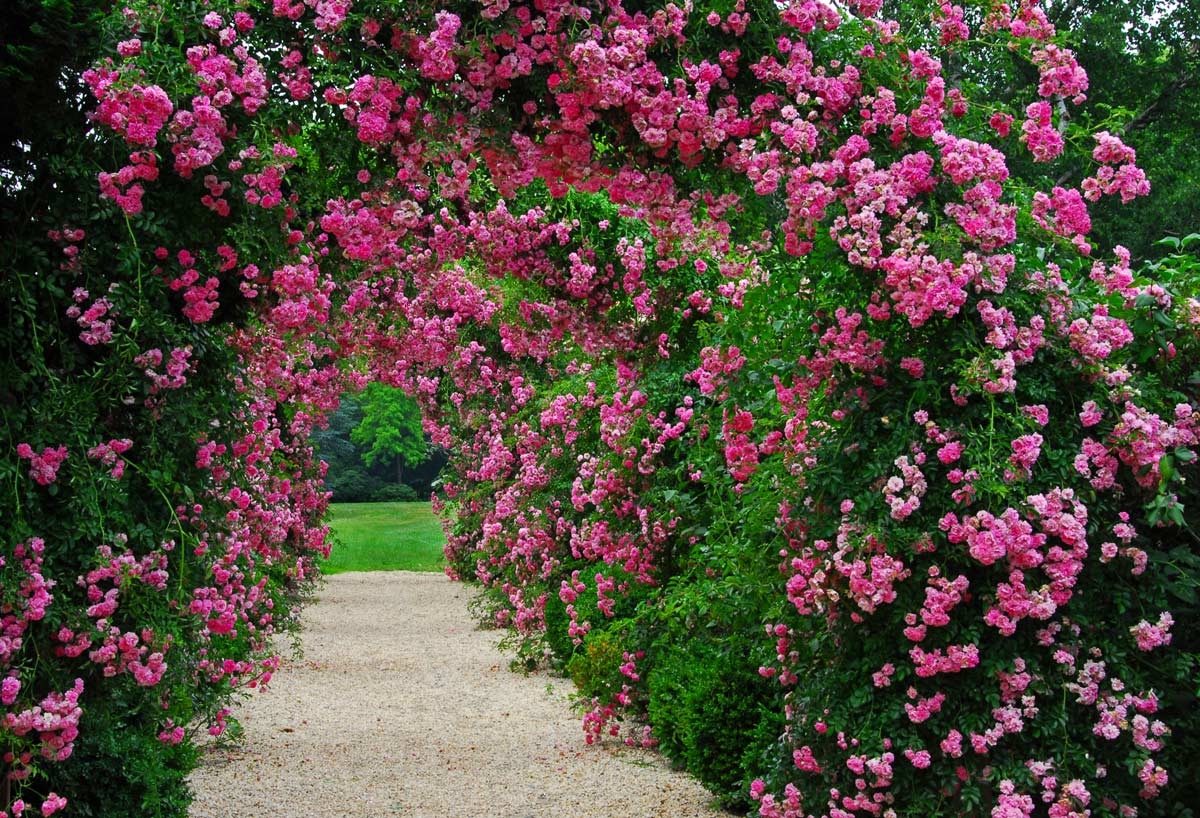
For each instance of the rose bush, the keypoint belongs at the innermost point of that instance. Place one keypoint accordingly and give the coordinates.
(761, 374)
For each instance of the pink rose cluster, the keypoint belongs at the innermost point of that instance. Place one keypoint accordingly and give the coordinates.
(43, 467)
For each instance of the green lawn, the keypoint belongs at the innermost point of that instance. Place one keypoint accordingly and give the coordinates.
(384, 537)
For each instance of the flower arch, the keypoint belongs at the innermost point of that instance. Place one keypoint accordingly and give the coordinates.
(761, 302)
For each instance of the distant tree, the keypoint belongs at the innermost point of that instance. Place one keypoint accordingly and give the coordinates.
(333, 442)
(348, 477)
(390, 429)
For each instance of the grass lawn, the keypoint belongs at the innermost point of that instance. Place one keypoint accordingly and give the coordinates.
(384, 537)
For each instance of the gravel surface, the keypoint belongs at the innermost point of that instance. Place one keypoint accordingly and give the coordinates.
(401, 707)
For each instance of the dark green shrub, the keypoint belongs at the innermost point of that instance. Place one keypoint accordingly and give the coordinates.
(395, 493)
(354, 484)
(714, 715)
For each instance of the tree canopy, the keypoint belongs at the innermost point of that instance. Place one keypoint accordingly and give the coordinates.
(390, 428)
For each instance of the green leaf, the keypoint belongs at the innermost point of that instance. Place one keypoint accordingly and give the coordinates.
(1183, 592)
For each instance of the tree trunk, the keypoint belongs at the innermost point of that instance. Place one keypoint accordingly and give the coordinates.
(399, 471)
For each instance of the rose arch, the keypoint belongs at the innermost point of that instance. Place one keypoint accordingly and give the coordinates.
(779, 374)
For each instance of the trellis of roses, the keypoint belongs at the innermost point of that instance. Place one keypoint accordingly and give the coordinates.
(739, 293)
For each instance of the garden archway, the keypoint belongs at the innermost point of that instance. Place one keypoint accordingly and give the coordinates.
(766, 316)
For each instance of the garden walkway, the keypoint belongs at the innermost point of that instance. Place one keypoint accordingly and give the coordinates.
(401, 707)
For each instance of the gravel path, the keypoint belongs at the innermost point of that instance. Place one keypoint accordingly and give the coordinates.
(401, 707)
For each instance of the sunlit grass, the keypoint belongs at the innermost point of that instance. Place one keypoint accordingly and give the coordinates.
(384, 537)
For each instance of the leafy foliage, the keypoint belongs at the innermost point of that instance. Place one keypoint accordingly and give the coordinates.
(390, 428)
(350, 480)
(780, 331)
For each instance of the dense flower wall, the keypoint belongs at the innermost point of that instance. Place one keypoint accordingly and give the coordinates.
(781, 413)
